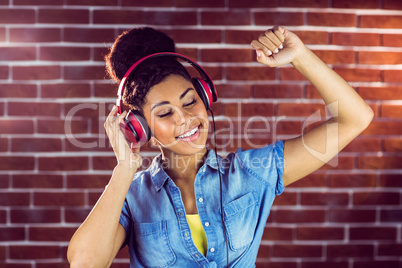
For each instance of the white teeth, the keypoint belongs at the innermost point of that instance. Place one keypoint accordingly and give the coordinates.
(190, 133)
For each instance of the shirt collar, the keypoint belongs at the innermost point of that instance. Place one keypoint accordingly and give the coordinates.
(159, 176)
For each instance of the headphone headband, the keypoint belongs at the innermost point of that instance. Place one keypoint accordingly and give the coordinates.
(201, 71)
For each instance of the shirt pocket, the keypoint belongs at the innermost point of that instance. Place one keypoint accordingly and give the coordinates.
(152, 244)
(241, 217)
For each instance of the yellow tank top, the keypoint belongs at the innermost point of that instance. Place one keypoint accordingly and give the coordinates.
(197, 232)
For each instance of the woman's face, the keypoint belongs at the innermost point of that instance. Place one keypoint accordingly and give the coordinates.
(176, 116)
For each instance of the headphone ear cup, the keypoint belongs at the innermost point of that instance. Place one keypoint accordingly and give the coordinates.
(135, 128)
(203, 90)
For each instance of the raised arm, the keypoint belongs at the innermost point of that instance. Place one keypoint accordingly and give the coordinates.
(350, 114)
(99, 238)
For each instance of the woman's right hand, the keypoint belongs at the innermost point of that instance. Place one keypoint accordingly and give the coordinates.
(127, 154)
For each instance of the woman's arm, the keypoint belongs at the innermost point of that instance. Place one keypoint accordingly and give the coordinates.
(350, 114)
(99, 238)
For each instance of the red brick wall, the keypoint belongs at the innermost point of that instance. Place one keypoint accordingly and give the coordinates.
(55, 159)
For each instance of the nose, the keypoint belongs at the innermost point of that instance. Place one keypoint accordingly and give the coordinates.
(183, 116)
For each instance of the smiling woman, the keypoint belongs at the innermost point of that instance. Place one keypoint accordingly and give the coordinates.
(191, 207)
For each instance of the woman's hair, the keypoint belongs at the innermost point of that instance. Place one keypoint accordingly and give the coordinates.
(133, 45)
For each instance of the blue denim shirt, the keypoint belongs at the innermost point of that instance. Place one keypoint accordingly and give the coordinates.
(154, 217)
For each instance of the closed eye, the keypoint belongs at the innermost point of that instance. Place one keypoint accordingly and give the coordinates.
(190, 103)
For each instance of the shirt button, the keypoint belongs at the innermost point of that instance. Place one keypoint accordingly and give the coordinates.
(207, 224)
(212, 250)
(200, 199)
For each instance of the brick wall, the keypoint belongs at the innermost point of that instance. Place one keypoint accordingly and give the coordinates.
(55, 159)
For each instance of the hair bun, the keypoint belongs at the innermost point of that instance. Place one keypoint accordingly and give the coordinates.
(133, 45)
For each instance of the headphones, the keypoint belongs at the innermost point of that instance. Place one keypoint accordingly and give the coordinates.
(134, 125)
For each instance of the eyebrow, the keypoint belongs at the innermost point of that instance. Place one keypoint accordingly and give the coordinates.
(166, 102)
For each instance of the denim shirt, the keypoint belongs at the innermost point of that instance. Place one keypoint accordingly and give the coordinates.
(154, 217)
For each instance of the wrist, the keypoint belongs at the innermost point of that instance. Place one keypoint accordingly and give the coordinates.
(302, 57)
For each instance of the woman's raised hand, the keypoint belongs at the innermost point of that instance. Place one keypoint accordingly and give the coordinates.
(127, 154)
(277, 46)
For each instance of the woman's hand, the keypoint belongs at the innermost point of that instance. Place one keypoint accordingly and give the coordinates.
(277, 46)
(127, 154)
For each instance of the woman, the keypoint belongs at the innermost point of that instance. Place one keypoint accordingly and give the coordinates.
(171, 215)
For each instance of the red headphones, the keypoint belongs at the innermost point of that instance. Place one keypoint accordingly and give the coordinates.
(134, 126)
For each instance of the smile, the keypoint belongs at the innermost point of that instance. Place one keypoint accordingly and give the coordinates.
(189, 133)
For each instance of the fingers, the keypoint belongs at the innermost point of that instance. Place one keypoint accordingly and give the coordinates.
(270, 42)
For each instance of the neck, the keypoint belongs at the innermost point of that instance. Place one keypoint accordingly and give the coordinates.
(183, 167)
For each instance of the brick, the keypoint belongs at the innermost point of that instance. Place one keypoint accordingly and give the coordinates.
(375, 264)
(84, 72)
(382, 58)
(103, 162)
(62, 234)
(17, 16)
(351, 215)
(372, 233)
(151, 3)
(384, 128)
(332, 19)
(64, 53)
(87, 181)
(92, 110)
(392, 40)
(297, 251)
(118, 17)
(391, 110)
(391, 215)
(300, 216)
(380, 93)
(225, 55)
(17, 54)
(35, 145)
(320, 233)
(278, 18)
(291, 74)
(4, 181)
(66, 90)
(381, 21)
(35, 181)
(34, 109)
(17, 163)
(363, 145)
(250, 73)
(277, 91)
(249, 109)
(12, 234)
(63, 163)
(62, 127)
(36, 72)
(108, 90)
(359, 74)
(170, 18)
(225, 18)
(59, 199)
(349, 251)
(253, 4)
(14, 199)
(313, 37)
(2, 34)
(16, 126)
(92, 2)
(326, 263)
(206, 3)
(359, 4)
(34, 252)
(33, 35)
(393, 76)
(16, 90)
(89, 35)
(304, 3)
(356, 39)
(313, 180)
(286, 199)
(233, 36)
(75, 215)
(376, 198)
(300, 109)
(393, 145)
(4, 72)
(63, 16)
(196, 36)
(277, 234)
(39, 2)
(392, 4)
(394, 249)
(229, 91)
(264, 251)
(324, 199)
(384, 162)
(64, 264)
(34, 215)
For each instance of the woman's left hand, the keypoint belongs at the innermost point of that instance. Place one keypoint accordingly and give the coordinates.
(277, 46)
